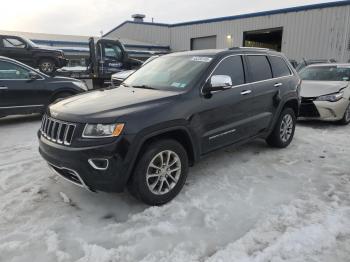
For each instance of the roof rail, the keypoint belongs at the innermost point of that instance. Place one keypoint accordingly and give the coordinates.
(249, 48)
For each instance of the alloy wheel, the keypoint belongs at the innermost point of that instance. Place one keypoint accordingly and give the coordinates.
(46, 67)
(286, 128)
(163, 172)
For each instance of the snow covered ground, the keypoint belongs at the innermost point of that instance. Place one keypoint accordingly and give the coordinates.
(252, 203)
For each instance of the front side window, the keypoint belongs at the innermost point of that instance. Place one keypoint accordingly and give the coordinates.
(13, 43)
(169, 72)
(233, 67)
(11, 71)
(259, 68)
(326, 73)
(279, 66)
(113, 52)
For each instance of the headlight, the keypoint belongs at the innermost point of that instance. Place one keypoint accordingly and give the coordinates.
(102, 130)
(81, 85)
(331, 98)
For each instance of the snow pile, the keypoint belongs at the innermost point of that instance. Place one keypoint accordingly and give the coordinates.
(253, 203)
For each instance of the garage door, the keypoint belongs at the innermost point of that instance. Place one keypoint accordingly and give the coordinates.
(208, 42)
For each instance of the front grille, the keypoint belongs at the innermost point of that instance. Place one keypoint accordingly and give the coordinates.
(116, 81)
(308, 108)
(57, 131)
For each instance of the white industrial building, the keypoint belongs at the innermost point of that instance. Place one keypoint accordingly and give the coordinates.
(311, 32)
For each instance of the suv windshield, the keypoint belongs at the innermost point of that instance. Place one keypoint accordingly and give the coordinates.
(326, 73)
(169, 72)
(30, 42)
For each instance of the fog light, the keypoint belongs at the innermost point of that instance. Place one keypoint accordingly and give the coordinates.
(99, 163)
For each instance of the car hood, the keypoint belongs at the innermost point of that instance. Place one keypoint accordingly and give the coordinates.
(319, 88)
(107, 105)
(64, 79)
(122, 74)
(47, 49)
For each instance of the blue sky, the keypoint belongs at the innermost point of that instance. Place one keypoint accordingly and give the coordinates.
(89, 17)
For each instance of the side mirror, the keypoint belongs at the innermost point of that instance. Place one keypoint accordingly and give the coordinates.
(33, 75)
(217, 83)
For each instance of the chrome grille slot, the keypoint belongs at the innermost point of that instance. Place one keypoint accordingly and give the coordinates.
(57, 131)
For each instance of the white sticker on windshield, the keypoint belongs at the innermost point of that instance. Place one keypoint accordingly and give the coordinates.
(179, 85)
(201, 59)
(175, 84)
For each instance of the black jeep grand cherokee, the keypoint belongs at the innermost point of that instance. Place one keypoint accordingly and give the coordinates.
(47, 59)
(166, 116)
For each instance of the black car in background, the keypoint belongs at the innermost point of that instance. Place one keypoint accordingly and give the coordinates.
(45, 58)
(166, 116)
(23, 90)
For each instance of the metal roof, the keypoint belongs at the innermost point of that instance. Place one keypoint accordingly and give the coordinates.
(227, 18)
(59, 39)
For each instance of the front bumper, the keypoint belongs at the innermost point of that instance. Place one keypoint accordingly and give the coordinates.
(61, 62)
(73, 164)
(323, 110)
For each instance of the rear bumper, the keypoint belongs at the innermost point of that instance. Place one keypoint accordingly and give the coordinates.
(73, 165)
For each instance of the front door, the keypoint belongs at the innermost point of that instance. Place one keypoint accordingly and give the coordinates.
(19, 93)
(110, 54)
(222, 118)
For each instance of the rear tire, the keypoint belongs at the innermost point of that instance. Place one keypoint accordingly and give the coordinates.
(283, 132)
(160, 173)
(346, 118)
(47, 66)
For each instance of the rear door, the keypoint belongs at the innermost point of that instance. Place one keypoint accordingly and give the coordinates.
(262, 92)
(16, 48)
(282, 73)
(17, 90)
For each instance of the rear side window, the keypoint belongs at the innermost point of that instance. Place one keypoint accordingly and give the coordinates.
(259, 68)
(13, 43)
(233, 67)
(279, 67)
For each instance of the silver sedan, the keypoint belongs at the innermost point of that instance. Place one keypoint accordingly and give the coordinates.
(325, 92)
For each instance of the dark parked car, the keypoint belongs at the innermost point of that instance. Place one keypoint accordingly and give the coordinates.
(166, 116)
(45, 58)
(23, 90)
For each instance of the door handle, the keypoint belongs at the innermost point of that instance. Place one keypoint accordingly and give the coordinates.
(246, 92)
(3, 88)
(278, 84)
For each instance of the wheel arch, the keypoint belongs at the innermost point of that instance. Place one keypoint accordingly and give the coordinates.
(62, 91)
(180, 134)
(40, 58)
(291, 102)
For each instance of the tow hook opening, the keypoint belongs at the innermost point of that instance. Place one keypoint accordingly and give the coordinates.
(99, 163)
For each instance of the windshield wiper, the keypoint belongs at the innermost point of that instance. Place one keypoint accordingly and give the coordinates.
(143, 86)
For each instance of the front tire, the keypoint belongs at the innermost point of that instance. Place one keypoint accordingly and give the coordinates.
(60, 96)
(160, 173)
(47, 66)
(346, 118)
(283, 132)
